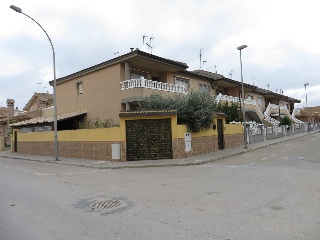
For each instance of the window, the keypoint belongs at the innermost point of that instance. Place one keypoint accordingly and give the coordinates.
(182, 82)
(136, 76)
(250, 97)
(79, 88)
(204, 88)
(259, 101)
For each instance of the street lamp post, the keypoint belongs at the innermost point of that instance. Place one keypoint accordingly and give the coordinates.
(55, 124)
(243, 110)
(305, 89)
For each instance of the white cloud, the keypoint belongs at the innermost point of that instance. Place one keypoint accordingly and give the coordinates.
(282, 38)
(11, 65)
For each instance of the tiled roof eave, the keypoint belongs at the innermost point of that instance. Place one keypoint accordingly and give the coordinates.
(148, 113)
(119, 60)
(50, 119)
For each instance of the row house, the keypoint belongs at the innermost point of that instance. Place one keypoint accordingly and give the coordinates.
(36, 103)
(308, 114)
(117, 85)
(261, 105)
(6, 115)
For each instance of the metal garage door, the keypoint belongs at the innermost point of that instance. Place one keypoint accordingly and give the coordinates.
(148, 139)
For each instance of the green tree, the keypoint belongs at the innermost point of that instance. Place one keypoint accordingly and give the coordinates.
(232, 111)
(96, 123)
(285, 121)
(194, 109)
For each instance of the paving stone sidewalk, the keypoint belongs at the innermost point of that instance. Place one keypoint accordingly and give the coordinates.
(196, 160)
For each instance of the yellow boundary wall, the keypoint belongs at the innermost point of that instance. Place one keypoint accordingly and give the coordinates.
(96, 143)
(99, 134)
(118, 134)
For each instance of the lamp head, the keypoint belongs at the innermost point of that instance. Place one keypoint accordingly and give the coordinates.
(17, 9)
(242, 47)
(306, 84)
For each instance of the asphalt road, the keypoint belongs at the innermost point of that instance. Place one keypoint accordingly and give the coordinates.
(270, 193)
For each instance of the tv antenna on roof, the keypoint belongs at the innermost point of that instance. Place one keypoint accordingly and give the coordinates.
(253, 80)
(42, 86)
(200, 56)
(203, 62)
(151, 45)
(268, 85)
(143, 42)
(230, 73)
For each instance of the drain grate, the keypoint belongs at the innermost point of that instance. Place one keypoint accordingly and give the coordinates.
(105, 205)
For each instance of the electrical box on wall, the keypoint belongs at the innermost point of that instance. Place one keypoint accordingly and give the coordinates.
(187, 142)
(115, 151)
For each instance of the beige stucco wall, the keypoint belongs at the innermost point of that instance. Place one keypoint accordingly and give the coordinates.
(255, 97)
(100, 97)
(233, 91)
(46, 112)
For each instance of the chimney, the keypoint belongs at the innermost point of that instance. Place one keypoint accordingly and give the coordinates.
(10, 108)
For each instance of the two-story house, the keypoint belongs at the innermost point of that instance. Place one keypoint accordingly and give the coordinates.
(119, 84)
(261, 105)
(104, 90)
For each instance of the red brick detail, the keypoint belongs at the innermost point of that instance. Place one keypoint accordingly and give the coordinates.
(81, 150)
(200, 145)
(100, 150)
(233, 140)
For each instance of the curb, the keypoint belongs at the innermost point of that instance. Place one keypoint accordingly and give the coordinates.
(184, 162)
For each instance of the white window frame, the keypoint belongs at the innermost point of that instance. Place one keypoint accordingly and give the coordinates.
(259, 101)
(182, 82)
(79, 86)
(250, 97)
(204, 88)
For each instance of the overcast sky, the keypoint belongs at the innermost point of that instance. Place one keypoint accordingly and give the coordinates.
(283, 39)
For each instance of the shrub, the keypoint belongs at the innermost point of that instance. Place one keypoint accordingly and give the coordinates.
(194, 109)
(285, 121)
(96, 123)
(232, 111)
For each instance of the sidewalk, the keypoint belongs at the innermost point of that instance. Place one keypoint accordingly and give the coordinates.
(196, 160)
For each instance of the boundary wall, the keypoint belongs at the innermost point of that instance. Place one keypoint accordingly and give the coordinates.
(109, 144)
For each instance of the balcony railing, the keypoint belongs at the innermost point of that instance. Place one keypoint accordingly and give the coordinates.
(150, 84)
(264, 115)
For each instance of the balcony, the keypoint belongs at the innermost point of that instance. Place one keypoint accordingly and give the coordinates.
(252, 105)
(274, 110)
(154, 85)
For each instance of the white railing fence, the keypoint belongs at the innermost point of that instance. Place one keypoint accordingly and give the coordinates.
(150, 84)
(265, 115)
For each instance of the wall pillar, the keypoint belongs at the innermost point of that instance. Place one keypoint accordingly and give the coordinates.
(126, 71)
(128, 106)
(1, 140)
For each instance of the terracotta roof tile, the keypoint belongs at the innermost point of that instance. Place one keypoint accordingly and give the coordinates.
(50, 119)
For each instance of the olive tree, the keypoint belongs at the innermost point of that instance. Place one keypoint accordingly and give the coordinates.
(194, 109)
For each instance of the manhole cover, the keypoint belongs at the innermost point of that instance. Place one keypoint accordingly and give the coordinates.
(105, 205)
